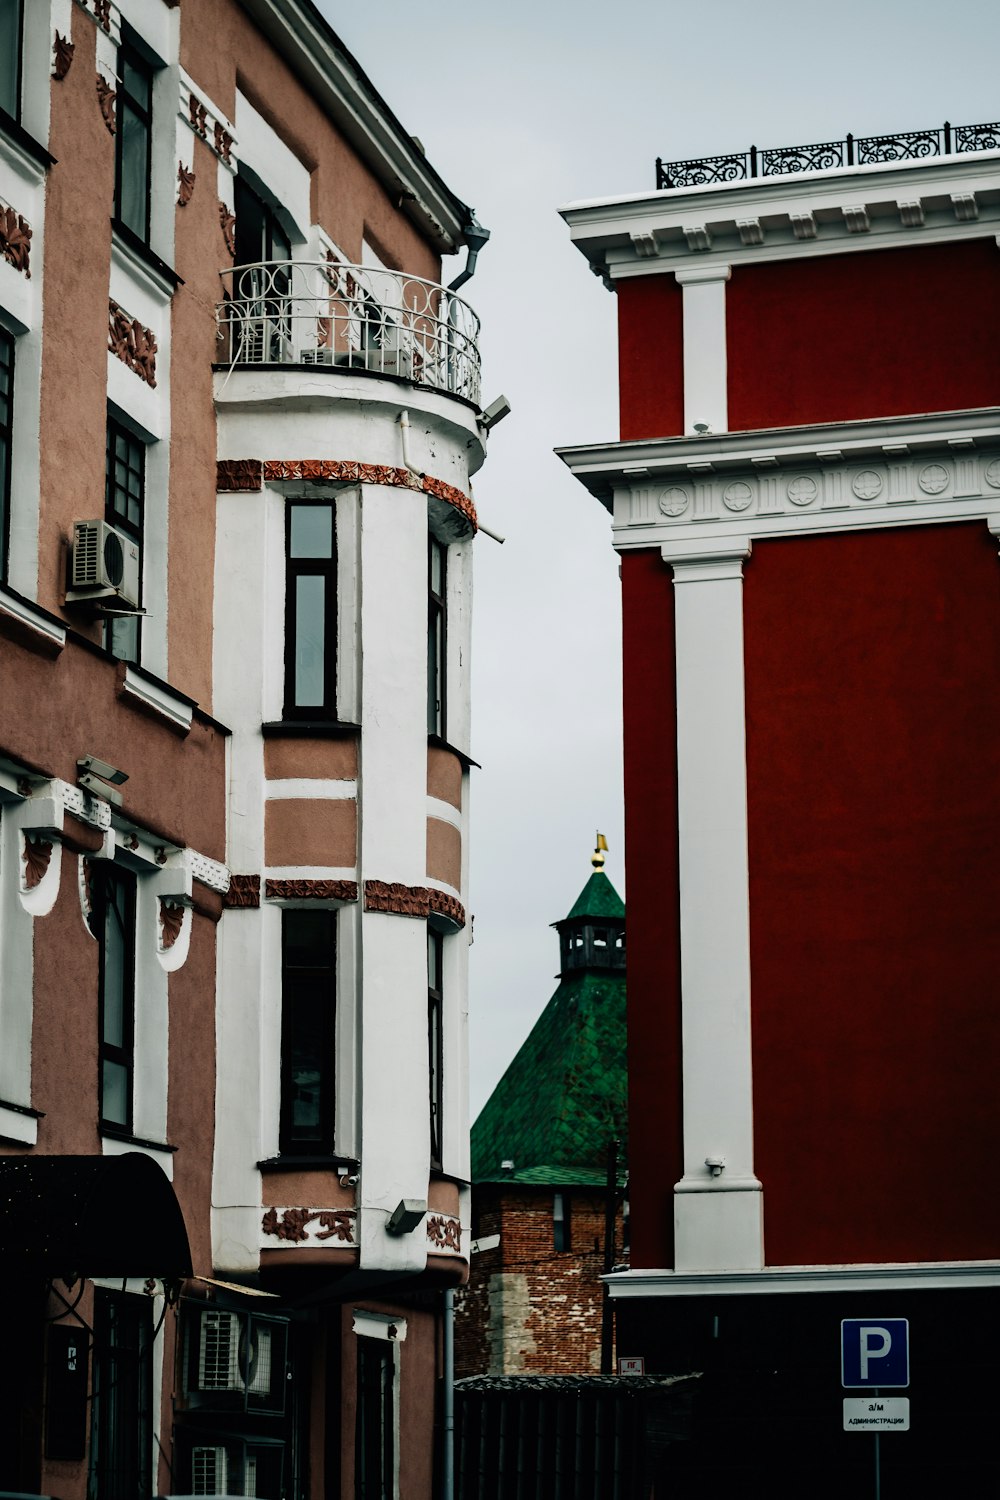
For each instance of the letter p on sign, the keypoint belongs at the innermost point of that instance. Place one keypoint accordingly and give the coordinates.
(875, 1352)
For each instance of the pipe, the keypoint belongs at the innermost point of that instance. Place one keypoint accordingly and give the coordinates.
(448, 1401)
(475, 238)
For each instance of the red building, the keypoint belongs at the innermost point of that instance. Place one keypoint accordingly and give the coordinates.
(806, 501)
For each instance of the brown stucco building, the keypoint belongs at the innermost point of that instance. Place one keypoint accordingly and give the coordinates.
(239, 413)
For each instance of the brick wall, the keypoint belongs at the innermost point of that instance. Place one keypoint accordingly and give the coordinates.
(529, 1308)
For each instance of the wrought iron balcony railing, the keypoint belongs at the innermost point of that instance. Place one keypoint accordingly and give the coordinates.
(325, 313)
(860, 151)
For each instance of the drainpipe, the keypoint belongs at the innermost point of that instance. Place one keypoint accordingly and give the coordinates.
(448, 1452)
(475, 238)
(404, 433)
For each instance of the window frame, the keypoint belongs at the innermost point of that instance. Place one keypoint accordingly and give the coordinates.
(131, 54)
(437, 639)
(109, 1423)
(123, 635)
(105, 873)
(300, 567)
(294, 979)
(18, 52)
(7, 346)
(376, 1399)
(562, 1223)
(435, 1044)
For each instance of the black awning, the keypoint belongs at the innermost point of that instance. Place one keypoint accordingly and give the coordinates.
(90, 1216)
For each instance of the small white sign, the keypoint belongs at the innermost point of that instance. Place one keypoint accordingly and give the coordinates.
(876, 1413)
(635, 1366)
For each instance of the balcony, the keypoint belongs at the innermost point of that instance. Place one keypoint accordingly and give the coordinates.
(353, 318)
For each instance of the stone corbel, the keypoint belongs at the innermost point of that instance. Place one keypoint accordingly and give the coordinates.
(171, 887)
(55, 814)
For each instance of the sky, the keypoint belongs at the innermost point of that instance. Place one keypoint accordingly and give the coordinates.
(522, 107)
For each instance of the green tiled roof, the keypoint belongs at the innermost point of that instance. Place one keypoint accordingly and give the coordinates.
(563, 1098)
(598, 899)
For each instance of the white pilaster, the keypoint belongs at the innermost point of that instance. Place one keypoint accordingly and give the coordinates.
(718, 1211)
(706, 400)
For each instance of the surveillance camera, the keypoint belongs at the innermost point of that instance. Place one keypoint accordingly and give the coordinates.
(494, 413)
(101, 768)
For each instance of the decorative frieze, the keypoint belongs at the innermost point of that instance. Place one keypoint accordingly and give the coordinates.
(238, 475)
(227, 221)
(831, 482)
(107, 99)
(36, 856)
(294, 1226)
(185, 185)
(132, 343)
(15, 239)
(311, 890)
(209, 872)
(349, 471)
(207, 121)
(446, 906)
(244, 891)
(62, 56)
(402, 900)
(444, 1233)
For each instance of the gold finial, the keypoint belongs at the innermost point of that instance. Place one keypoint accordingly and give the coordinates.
(597, 858)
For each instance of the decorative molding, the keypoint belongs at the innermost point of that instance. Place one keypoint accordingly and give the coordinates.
(856, 218)
(444, 1232)
(911, 213)
(222, 140)
(36, 856)
(402, 900)
(915, 1276)
(698, 236)
(446, 906)
(965, 207)
(751, 231)
(241, 475)
(244, 891)
(106, 98)
(155, 698)
(350, 471)
(209, 872)
(311, 890)
(132, 343)
(91, 810)
(62, 59)
(207, 121)
(227, 220)
(293, 1225)
(185, 185)
(171, 922)
(15, 239)
(803, 226)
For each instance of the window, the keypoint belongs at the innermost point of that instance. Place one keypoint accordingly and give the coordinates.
(310, 613)
(560, 1222)
(437, 555)
(375, 1439)
(124, 507)
(11, 39)
(259, 233)
(435, 1056)
(113, 922)
(121, 1443)
(308, 1008)
(6, 414)
(133, 138)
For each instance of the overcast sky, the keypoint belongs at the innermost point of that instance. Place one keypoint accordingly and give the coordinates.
(524, 106)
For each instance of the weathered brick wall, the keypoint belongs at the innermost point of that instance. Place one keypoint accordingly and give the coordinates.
(529, 1308)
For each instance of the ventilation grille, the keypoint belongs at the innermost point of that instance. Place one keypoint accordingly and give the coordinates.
(218, 1353)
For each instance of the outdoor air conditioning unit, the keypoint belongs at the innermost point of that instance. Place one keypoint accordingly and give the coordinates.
(209, 1471)
(234, 1355)
(105, 564)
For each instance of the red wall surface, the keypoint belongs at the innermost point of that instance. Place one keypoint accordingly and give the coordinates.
(650, 357)
(870, 334)
(873, 754)
(653, 927)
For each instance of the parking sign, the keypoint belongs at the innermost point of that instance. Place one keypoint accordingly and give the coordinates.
(875, 1352)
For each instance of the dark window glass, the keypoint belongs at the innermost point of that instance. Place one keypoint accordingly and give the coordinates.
(308, 1009)
(259, 234)
(561, 1239)
(435, 1050)
(121, 1444)
(133, 139)
(311, 613)
(113, 920)
(374, 1448)
(11, 28)
(437, 555)
(124, 507)
(6, 417)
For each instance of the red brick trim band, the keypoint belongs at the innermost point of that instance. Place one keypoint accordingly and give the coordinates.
(447, 906)
(246, 474)
(411, 901)
(311, 890)
(244, 890)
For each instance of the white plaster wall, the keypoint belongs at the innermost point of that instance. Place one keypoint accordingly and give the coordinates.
(279, 169)
(239, 1128)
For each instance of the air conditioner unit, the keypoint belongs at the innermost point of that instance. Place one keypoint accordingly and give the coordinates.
(105, 565)
(218, 1352)
(209, 1471)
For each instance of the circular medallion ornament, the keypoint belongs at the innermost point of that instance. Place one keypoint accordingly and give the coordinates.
(674, 501)
(867, 485)
(993, 474)
(737, 496)
(803, 490)
(933, 478)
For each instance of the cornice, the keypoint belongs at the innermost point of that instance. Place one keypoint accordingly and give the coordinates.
(803, 214)
(901, 1276)
(315, 53)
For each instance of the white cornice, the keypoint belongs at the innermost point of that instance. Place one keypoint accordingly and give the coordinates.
(774, 218)
(299, 33)
(772, 1280)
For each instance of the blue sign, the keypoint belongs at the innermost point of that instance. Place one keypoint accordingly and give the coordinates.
(875, 1352)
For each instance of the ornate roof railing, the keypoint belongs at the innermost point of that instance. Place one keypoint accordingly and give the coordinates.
(821, 156)
(353, 318)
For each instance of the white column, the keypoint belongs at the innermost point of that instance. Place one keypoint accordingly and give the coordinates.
(718, 1210)
(706, 400)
